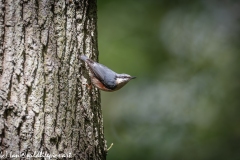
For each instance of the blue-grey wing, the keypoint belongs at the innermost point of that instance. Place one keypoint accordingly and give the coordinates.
(104, 74)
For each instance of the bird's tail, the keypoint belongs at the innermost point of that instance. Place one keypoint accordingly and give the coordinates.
(84, 58)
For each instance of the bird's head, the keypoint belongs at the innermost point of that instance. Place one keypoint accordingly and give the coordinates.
(122, 79)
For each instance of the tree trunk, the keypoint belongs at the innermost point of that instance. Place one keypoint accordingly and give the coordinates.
(46, 106)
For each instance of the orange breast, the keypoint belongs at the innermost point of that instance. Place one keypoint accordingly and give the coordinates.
(99, 85)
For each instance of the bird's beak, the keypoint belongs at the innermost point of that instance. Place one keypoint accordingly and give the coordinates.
(133, 77)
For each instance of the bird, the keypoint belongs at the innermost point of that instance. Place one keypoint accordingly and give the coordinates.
(104, 78)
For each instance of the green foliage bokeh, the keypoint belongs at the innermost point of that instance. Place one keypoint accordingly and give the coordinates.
(184, 103)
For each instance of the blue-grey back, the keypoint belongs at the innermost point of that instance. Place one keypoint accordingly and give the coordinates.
(103, 73)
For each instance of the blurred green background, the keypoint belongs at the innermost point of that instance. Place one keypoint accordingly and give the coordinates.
(184, 104)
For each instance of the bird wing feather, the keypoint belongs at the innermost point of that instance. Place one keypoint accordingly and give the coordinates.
(103, 73)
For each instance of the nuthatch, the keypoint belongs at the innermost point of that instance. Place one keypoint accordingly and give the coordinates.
(104, 78)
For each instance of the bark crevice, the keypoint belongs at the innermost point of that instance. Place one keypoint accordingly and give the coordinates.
(45, 104)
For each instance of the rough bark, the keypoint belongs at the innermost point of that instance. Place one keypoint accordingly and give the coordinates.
(45, 104)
